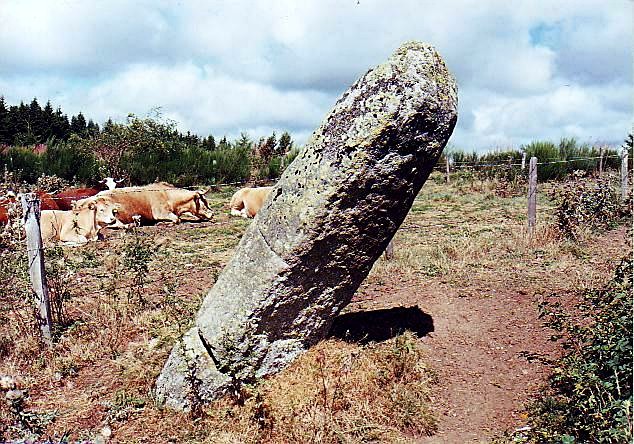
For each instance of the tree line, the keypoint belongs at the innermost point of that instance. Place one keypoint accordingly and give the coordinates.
(141, 150)
(22, 125)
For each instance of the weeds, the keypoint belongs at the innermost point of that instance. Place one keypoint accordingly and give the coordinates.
(123, 405)
(586, 204)
(137, 255)
(58, 277)
(590, 393)
(17, 420)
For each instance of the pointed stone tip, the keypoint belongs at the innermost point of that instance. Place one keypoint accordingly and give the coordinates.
(413, 45)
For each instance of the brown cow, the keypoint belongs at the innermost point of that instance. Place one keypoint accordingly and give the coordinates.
(152, 203)
(47, 202)
(246, 202)
(65, 198)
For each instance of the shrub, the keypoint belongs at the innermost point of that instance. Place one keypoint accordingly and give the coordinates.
(23, 162)
(232, 164)
(586, 204)
(51, 184)
(70, 161)
(590, 394)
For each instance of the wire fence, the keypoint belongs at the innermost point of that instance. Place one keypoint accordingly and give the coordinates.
(452, 166)
(465, 165)
(36, 255)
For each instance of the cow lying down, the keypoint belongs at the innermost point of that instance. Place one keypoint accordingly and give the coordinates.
(246, 202)
(78, 226)
(151, 203)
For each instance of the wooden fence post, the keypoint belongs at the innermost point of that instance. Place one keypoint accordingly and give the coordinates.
(447, 166)
(624, 187)
(523, 161)
(389, 250)
(600, 160)
(532, 194)
(35, 253)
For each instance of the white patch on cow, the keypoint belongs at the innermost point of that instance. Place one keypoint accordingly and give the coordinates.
(111, 183)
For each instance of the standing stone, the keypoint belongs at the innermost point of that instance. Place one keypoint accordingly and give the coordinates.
(325, 223)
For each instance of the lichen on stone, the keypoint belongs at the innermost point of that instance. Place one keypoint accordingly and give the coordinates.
(327, 220)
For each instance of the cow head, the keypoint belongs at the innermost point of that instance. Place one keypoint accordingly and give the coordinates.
(105, 213)
(110, 183)
(202, 206)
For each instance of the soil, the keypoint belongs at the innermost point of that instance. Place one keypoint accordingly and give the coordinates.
(488, 346)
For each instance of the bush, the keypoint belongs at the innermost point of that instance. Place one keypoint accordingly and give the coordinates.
(51, 184)
(232, 164)
(23, 162)
(586, 204)
(590, 393)
(70, 161)
(556, 161)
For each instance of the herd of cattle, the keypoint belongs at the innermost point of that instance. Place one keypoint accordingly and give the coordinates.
(77, 215)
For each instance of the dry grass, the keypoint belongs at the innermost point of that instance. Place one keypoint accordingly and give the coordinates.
(337, 392)
(459, 233)
(103, 366)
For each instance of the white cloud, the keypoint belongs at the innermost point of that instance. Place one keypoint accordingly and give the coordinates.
(203, 101)
(231, 66)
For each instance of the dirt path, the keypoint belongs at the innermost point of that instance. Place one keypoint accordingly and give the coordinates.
(486, 334)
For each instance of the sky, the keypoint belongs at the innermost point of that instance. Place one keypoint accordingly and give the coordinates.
(526, 70)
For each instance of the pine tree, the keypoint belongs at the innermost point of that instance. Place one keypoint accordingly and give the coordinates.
(4, 123)
(37, 126)
(92, 129)
(23, 131)
(61, 128)
(48, 121)
(223, 145)
(285, 144)
(108, 126)
(209, 143)
(12, 124)
(243, 142)
(266, 148)
(78, 125)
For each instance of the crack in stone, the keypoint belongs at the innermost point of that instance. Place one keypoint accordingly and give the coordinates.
(266, 242)
(210, 351)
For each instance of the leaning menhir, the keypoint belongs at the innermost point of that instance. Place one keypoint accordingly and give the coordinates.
(325, 223)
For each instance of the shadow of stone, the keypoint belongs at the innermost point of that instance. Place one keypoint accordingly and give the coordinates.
(380, 325)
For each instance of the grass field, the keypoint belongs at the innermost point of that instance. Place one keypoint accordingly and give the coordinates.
(131, 295)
